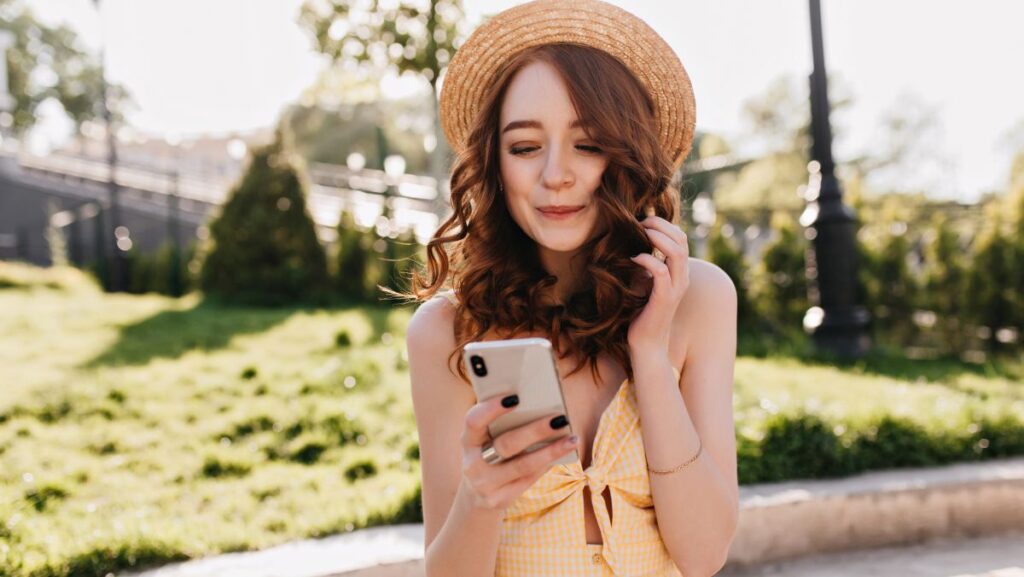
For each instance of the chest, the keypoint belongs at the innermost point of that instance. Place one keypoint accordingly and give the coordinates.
(587, 398)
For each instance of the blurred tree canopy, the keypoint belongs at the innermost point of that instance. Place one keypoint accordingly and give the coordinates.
(46, 62)
(407, 36)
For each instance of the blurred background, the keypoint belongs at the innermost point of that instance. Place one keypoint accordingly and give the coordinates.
(200, 200)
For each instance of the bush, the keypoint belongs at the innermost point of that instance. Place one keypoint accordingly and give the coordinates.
(805, 446)
(723, 252)
(164, 271)
(264, 249)
(781, 276)
(945, 280)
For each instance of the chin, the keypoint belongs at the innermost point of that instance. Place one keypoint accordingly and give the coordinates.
(561, 242)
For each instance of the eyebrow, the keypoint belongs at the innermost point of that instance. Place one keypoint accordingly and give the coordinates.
(516, 124)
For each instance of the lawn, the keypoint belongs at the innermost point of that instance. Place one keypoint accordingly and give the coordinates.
(142, 429)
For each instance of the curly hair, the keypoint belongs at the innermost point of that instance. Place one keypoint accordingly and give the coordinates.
(495, 268)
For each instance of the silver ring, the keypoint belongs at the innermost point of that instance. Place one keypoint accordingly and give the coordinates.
(656, 253)
(490, 454)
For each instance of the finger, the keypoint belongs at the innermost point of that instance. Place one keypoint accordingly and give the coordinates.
(665, 227)
(657, 270)
(475, 434)
(515, 441)
(666, 244)
(536, 462)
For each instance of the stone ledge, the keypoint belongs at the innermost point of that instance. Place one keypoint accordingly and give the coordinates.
(778, 521)
(896, 507)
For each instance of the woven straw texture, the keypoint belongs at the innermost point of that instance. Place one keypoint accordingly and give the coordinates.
(584, 22)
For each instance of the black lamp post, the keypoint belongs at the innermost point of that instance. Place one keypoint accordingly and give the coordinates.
(836, 321)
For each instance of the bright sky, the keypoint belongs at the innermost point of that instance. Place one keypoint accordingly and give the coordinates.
(206, 66)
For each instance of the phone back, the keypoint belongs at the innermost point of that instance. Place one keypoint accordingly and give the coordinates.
(525, 367)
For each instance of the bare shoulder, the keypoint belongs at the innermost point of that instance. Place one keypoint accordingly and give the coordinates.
(430, 335)
(709, 305)
(709, 284)
(433, 319)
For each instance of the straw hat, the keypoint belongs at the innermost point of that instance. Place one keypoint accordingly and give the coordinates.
(585, 22)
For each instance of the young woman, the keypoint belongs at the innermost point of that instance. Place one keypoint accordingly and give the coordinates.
(569, 120)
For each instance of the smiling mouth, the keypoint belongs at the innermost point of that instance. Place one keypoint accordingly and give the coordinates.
(560, 210)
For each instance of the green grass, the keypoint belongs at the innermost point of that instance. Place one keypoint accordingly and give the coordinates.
(137, 430)
(144, 428)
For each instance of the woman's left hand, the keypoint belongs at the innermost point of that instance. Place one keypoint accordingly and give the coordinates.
(650, 330)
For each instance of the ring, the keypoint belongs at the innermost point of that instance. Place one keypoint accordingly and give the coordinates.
(656, 253)
(490, 454)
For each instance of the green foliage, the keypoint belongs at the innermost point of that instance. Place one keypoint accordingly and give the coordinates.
(342, 339)
(357, 265)
(780, 279)
(945, 283)
(40, 51)
(264, 245)
(183, 437)
(722, 251)
(989, 291)
(892, 299)
(366, 261)
(164, 271)
(427, 37)
(361, 470)
(801, 445)
(46, 495)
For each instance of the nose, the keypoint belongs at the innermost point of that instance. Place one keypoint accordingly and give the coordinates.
(558, 172)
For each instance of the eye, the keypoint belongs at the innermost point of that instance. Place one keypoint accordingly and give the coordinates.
(518, 150)
(590, 149)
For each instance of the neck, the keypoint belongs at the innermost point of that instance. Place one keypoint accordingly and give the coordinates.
(568, 267)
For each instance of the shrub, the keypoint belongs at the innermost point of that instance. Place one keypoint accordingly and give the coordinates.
(264, 249)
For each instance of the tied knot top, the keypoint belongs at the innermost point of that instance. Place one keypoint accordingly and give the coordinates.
(543, 532)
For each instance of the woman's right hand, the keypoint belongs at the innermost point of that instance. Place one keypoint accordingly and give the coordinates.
(496, 486)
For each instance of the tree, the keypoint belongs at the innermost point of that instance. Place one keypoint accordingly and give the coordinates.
(781, 277)
(945, 280)
(47, 62)
(989, 294)
(264, 245)
(354, 260)
(723, 252)
(402, 36)
(778, 122)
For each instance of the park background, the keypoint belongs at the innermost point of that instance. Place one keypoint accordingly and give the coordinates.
(211, 351)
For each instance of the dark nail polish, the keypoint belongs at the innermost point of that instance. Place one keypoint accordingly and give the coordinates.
(559, 422)
(510, 401)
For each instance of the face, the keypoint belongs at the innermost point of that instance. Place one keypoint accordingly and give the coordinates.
(547, 161)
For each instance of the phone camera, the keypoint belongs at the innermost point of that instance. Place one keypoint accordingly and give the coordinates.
(479, 368)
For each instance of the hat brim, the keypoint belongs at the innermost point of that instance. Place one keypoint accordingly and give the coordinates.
(583, 22)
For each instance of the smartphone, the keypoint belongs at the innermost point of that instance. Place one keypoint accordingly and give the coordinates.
(524, 367)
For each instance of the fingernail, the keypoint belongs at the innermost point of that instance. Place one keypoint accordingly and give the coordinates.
(510, 401)
(571, 440)
(559, 422)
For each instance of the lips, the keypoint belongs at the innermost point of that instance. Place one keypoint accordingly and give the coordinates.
(560, 209)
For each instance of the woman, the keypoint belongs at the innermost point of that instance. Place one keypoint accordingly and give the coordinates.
(569, 119)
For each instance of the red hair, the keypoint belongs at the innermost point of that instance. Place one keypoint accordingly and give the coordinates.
(493, 266)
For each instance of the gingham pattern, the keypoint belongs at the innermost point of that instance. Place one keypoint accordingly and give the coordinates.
(543, 533)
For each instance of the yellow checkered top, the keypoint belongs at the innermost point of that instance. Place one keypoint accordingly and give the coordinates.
(543, 533)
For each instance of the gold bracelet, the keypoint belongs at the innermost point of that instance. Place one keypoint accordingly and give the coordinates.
(700, 446)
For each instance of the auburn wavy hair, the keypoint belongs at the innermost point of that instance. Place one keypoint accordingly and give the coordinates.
(494, 267)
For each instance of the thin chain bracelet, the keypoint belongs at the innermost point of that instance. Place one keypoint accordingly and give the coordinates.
(700, 447)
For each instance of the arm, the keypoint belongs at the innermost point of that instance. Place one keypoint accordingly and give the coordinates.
(460, 539)
(464, 498)
(697, 531)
